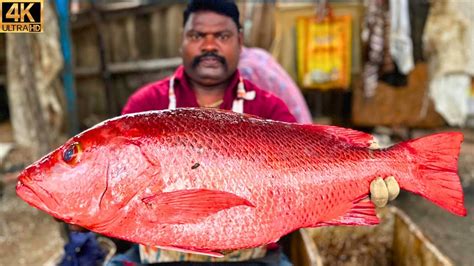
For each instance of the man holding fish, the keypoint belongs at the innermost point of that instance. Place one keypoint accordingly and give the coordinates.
(212, 43)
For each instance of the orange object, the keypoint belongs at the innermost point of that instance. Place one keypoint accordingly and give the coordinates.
(324, 51)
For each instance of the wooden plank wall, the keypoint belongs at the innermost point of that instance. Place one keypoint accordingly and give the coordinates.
(148, 35)
(408, 106)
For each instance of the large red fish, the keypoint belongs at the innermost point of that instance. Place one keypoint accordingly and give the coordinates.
(206, 181)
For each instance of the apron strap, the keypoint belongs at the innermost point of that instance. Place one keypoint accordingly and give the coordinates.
(238, 104)
(171, 95)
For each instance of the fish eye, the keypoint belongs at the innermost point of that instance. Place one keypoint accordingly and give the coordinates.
(71, 153)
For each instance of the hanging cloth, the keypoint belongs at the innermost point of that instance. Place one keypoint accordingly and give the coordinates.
(401, 45)
(373, 38)
(444, 43)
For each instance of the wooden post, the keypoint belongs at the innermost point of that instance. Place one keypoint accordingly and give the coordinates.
(112, 108)
(36, 98)
(157, 31)
(130, 29)
(174, 31)
(28, 121)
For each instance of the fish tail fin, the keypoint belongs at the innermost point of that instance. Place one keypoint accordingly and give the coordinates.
(436, 178)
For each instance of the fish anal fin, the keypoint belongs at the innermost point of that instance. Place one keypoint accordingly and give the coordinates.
(193, 251)
(350, 136)
(191, 206)
(361, 213)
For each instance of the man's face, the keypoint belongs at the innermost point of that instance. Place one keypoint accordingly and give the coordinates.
(211, 47)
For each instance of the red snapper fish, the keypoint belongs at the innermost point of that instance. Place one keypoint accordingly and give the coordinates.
(207, 181)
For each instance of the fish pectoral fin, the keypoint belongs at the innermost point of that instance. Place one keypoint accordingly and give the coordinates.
(191, 206)
(194, 251)
(361, 213)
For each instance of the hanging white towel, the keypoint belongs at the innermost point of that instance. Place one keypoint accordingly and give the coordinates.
(450, 94)
(446, 48)
(466, 8)
(401, 44)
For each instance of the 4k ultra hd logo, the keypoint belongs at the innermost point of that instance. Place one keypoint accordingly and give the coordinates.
(21, 16)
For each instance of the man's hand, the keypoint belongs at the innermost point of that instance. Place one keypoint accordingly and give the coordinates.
(381, 191)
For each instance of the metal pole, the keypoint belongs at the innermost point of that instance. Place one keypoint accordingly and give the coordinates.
(62, 9)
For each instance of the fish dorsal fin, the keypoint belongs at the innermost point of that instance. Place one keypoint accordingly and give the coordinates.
(193, 251)
(350, 136)
(190, 206)
(230, 112)
(361, 213)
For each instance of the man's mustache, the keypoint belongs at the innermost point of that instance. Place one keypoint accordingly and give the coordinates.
(198, 58)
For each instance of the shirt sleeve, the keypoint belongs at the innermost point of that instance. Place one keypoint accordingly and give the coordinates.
(145, 99)
(280, 112)
(277, 109)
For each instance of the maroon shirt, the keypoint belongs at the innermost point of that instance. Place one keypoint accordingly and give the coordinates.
(154, 96)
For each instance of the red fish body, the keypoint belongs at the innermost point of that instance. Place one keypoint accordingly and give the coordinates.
(205, 180)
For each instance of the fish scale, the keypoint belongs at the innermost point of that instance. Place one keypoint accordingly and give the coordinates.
(206, 181)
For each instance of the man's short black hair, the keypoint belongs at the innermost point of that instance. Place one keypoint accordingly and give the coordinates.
(224, 7)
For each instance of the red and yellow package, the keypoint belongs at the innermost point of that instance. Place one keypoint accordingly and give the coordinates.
(324, 52)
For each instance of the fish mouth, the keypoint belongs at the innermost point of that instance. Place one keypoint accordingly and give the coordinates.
(31, 196)
(26, 193)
